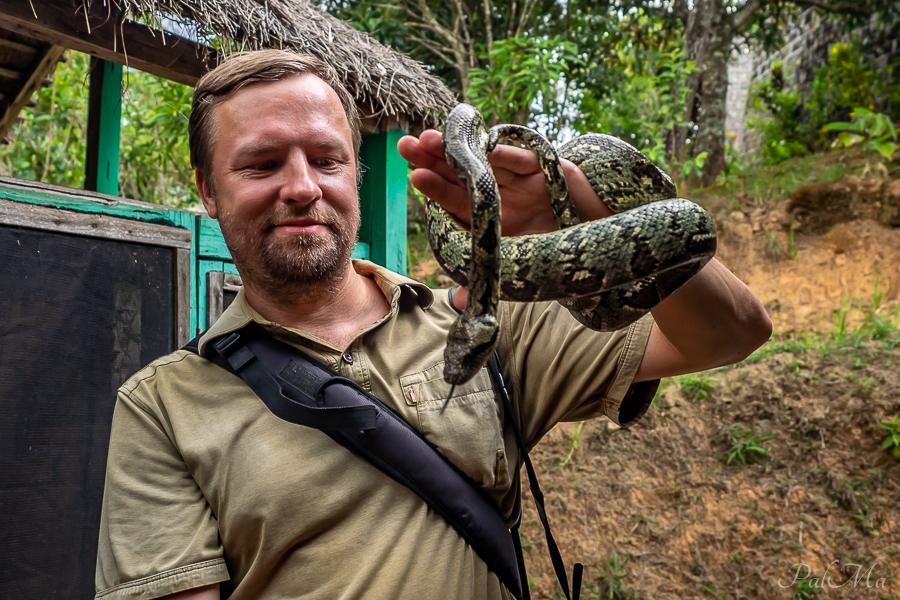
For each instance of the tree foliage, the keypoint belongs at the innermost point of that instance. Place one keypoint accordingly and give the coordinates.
(652, 72)
(49, 144)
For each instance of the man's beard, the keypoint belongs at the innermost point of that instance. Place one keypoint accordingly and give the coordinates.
(288, 268)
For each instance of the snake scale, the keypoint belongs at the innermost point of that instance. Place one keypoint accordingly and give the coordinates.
(607, 273)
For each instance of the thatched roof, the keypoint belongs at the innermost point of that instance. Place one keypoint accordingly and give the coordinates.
(386, 83)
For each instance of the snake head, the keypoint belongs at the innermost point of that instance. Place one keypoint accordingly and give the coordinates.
(470, 343)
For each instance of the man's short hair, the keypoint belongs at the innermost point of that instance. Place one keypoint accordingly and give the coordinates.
(245, 68)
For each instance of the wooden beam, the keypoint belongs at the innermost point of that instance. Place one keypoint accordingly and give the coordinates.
(9, 73)
(122, 42)
(46, 63)
(23, 48)
(101, 165)
(382, 198)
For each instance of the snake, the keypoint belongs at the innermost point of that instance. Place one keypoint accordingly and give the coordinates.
(607, 273)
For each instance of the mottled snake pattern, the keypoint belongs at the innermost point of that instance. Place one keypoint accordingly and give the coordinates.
(607, 273)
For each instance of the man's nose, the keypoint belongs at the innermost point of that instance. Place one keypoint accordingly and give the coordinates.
(301, 184)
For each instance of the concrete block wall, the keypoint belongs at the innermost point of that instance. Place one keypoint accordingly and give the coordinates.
(807, 42)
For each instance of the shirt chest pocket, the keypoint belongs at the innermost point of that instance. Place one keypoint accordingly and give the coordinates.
(469, 433)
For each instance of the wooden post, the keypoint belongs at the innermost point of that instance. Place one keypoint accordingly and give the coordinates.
(383, 200)
(104, 128)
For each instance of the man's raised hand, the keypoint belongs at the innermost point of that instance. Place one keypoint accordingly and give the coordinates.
(525, 205)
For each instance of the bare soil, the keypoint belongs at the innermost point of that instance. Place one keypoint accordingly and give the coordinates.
(660, 496)
(654, 512)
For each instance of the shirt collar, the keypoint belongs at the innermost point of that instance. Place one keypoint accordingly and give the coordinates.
(393, 285)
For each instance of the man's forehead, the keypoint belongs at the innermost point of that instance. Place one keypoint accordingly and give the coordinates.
(301, 87)
(302, 95)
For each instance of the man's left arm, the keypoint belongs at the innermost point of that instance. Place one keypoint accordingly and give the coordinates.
(713, 320)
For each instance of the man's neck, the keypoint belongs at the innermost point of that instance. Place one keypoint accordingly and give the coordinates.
(335, 315)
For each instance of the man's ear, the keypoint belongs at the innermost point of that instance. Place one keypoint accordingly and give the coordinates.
(206, 194)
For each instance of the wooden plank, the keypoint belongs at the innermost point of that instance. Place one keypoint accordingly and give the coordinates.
(33, 192)
(215, 296)
(204, 268)
(50, 219)
(104, 128)
(212, 245)
(123, 42)
(361, 251)
(9, 74)
(16, 46)
(182, 296)
(44, 64)
(232, 283)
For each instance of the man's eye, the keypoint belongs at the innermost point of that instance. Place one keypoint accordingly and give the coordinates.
(263, 166)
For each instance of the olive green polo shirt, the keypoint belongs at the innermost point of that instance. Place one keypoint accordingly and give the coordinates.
(205, 485)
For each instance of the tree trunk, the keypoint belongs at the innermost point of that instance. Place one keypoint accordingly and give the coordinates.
(696, 41)
(711, 118)
(707, 42)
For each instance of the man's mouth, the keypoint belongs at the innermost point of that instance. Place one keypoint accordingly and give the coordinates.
(298, 227)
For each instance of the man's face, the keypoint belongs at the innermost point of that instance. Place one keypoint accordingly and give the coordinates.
(285, 192)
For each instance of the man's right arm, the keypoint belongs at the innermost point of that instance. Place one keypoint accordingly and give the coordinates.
(158, 534)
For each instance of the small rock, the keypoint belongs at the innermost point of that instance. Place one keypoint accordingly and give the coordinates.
(669, 397)
(841, 238)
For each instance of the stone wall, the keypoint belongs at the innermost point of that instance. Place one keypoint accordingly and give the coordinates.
(740, 72)
(807, 42)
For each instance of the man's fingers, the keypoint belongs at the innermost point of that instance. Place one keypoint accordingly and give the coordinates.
(433, 141)
(517, 160)
(452, 196)
(532, 182)
(587, 204)
(416, 152)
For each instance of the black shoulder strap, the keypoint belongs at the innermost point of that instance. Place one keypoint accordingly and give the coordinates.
(301, 390)
(536, 493)
(559, 567)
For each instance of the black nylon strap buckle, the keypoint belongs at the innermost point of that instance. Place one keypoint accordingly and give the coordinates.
(237, 355)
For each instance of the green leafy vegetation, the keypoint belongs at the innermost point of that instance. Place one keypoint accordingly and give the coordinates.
(805, 590)
(611, 578)
(849, 95)
(746, 444)
(892, 442)
(573, 445)
(873, 131)
(520, 77)
(49, 144)
(695, 386)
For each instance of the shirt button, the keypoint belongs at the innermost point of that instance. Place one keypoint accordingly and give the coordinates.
(348, 358)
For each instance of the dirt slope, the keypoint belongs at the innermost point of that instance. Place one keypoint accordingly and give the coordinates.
(660, 496)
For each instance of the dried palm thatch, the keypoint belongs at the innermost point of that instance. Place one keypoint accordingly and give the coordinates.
(389, 86)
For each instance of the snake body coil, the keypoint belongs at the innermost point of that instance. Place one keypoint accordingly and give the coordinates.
(607, 273)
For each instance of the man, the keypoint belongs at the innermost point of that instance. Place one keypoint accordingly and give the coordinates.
(205, 485)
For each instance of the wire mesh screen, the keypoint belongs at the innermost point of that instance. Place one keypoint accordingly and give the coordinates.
(78, 316)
